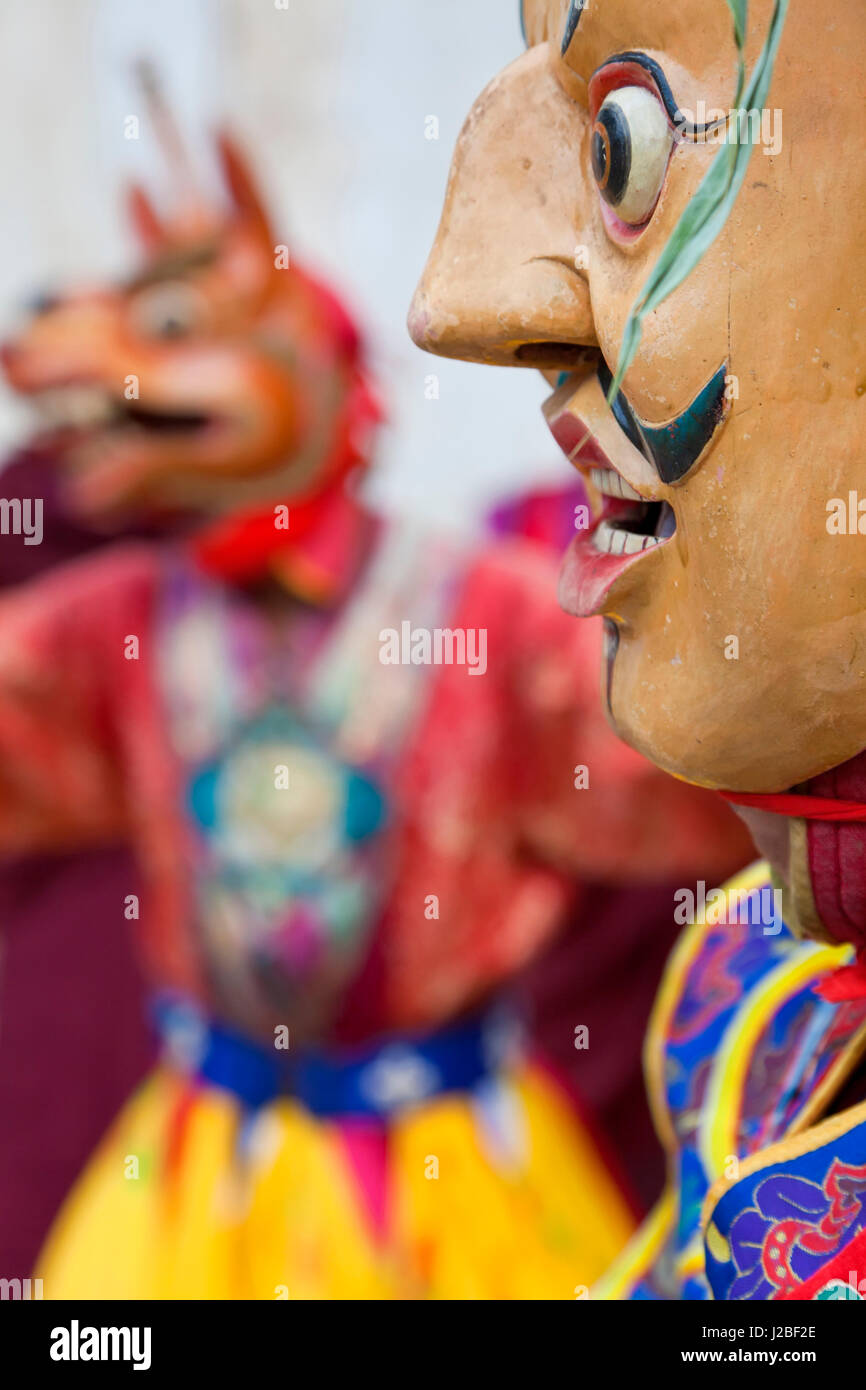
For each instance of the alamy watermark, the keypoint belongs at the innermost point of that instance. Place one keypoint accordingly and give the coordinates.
(20, 1290)
(22, 516)
(846, 516)
(711, 125)
(438, 646)
(77, 1343)
(722, 907)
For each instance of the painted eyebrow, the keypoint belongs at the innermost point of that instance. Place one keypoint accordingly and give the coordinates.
(689, 129)
(173, 265)
(575, 11)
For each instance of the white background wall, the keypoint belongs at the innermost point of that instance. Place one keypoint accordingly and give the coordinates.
(331, 98)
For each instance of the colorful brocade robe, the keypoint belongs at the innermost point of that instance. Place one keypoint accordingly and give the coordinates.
(350, 851)
(750, 1074)
(328, 837)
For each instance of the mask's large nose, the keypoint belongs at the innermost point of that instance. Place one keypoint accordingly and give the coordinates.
(504, 282)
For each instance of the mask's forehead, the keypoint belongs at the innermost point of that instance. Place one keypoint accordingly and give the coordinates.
(542, 21)
(695, 33)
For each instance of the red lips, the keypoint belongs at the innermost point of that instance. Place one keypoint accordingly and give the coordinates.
(575, 440)
(588, 574)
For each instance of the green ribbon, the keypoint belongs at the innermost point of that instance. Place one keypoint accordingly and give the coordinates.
(708, 210)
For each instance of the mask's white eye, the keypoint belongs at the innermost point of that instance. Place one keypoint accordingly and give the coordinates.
(169, 310)
(631, 144)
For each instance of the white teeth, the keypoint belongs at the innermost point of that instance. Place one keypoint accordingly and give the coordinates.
(604, 536)
(75, 405)
(613, 540)
(633, 543)
(607, 481)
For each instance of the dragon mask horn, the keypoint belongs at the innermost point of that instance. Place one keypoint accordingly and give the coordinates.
(241, 186)
(192, 211)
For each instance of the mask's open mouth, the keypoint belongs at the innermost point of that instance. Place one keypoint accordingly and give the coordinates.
(628, 524)
(89, 408)
(162, 422)
(627, 528)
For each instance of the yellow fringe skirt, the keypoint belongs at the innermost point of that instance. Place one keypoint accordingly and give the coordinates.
(189, 1197)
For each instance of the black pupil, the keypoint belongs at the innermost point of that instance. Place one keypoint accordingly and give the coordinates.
(613, 180)
(599, 156)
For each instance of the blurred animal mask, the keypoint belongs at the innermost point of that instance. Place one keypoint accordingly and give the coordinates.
(217, 380)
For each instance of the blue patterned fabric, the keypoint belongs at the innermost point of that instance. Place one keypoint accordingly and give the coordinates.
(737, 1053)
(373, 1081)
(783, 1223)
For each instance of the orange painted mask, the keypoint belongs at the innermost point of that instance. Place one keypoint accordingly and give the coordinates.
(217, 381)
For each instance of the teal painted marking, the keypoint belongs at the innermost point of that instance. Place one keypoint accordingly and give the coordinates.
(675, 447)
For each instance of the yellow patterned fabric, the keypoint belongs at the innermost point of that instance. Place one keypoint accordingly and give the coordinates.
(502, 1197)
